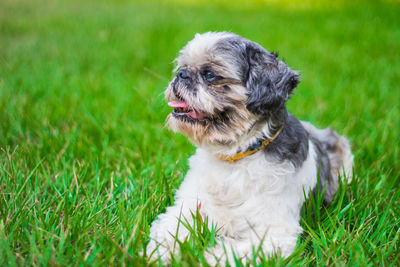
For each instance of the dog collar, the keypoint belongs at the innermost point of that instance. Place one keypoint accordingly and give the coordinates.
(253, 149)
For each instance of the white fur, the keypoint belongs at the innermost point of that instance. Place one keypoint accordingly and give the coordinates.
(253, 199)
(193, 54)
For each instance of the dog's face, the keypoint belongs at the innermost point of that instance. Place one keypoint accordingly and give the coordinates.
(225, 86)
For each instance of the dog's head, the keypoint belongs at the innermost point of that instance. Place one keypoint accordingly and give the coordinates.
(225, 85)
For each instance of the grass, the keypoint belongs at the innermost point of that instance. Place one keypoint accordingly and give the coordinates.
(86, 163)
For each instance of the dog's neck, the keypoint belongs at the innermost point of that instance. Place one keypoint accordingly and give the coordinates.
(254, 148)
(266, 128)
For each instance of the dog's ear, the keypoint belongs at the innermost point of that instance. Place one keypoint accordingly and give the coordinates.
(269, 81)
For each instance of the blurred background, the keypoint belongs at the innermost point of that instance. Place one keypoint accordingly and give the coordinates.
(99, 68)
(82, 108)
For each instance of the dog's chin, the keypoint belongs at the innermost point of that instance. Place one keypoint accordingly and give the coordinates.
(194, 129)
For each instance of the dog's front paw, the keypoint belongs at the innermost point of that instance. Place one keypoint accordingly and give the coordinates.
(227, 253)
(158, 250)
(162, 244)
(215, 256)
(233, 251)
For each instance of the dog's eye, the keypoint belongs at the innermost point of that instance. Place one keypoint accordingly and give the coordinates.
(208, 76)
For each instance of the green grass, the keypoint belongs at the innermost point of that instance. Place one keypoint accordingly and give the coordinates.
(86, 163)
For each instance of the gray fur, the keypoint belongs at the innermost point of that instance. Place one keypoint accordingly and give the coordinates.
(333, 151)
(291, 144)
(270, 83)
(270, 80)
(330, 148)
(324, 170)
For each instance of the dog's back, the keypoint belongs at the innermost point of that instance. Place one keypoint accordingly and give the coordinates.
(335, 157)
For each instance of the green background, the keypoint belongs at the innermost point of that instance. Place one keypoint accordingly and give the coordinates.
(86, 162)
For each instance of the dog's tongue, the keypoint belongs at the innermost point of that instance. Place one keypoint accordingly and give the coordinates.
(181, 104)
(178, 104)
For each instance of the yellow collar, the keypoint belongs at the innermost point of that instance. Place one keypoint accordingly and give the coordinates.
(241, 155)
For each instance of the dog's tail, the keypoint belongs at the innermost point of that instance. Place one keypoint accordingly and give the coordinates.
(339, 155)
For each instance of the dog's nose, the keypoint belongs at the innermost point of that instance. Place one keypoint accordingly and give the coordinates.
(183, 74)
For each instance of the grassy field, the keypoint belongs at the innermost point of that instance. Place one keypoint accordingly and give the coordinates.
(86, 163)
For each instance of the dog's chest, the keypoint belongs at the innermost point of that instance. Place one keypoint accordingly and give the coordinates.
(232, 185)
(255, 191)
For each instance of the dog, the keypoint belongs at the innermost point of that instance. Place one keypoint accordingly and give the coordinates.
(255, 163)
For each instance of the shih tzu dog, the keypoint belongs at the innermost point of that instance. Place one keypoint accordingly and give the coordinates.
(255, 163)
